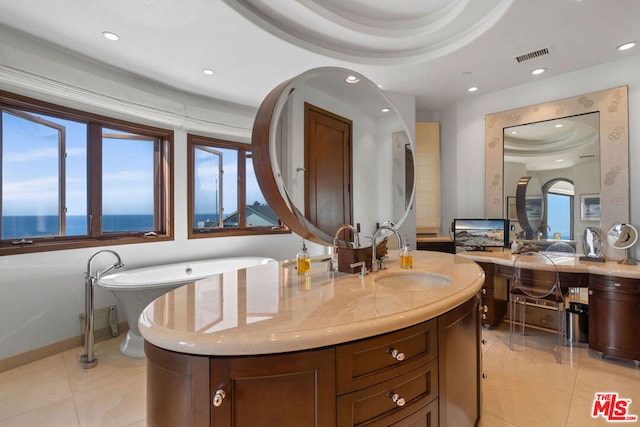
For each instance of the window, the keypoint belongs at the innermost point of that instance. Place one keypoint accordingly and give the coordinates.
(73, 179)
(224, 195)
(559, 197)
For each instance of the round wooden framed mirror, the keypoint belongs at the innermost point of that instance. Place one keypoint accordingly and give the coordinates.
(330, 148)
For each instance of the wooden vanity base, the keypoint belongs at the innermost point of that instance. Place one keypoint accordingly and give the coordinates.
(432, 378)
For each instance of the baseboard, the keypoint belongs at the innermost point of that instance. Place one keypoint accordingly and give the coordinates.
(57, 347)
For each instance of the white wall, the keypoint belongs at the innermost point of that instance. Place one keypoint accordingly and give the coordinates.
(42, 294)
(463, 125)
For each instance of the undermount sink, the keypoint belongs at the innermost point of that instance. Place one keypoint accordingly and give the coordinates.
(413, 281)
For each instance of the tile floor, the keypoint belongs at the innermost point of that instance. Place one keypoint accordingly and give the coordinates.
(525, 387)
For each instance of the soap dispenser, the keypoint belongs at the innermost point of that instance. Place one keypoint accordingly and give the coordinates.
(406, 258)
(303, 261)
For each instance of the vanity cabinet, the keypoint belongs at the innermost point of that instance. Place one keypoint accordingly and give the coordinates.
(614, 316)
(494, 299)
(424, 375)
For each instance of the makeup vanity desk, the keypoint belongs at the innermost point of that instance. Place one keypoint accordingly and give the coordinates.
(613, 297)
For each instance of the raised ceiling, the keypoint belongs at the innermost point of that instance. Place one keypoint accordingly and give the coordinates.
(433, 49)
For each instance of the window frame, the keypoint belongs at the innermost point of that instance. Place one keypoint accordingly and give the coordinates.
(244, 153)
(163, 176)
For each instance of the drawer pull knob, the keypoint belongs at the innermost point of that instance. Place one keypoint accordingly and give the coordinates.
(484, 316)
(485, 308)
(396, 354)
(218, 398)
(397, 399)
(590, 292)
(484, 291)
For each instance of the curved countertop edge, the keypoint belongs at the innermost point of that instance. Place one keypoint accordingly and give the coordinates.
(565, 262)
(238, 343)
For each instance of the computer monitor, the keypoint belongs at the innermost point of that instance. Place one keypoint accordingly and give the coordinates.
(480, 234)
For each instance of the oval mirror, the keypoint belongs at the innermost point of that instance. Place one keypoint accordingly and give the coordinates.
(529, 205)
(623, 236)
(330, 148)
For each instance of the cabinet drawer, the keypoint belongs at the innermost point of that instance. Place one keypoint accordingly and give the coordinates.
(370, 361)
(504, 271)
(574, 280)
(375, 406)
(615, 284)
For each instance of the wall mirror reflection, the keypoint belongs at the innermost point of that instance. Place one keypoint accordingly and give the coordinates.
(552, 162)
(590, 155)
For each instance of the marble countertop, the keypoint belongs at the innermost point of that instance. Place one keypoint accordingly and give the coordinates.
(271, 309)
(565, 262)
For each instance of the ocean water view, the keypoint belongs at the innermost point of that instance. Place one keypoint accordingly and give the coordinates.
(20, 226)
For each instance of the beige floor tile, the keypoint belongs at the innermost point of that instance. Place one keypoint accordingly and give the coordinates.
(33, 386)
(61, 413)
(120, 403)
(533, 364)
(112, 393)
(488, 420)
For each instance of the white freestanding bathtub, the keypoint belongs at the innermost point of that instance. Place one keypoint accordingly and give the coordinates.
(135, 289)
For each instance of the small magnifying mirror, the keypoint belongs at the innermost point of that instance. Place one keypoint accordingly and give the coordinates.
(623, 236)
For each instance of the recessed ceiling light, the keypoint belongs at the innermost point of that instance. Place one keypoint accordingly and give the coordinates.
(559, 125)
(472, 89)
(626, 46)
(110, 36)
(385, 110)
(352, 79)
(208, 71)
(559, 160)
(538, 71)
(514, 132)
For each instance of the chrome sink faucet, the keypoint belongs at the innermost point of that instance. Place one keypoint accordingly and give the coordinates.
(356, 238)
(374, 262)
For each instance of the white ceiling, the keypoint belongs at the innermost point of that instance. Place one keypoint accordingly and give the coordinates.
(433, 49)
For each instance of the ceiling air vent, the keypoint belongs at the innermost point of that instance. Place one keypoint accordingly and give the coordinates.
(533, 54)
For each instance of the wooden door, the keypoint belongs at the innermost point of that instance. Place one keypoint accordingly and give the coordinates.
(327, 148)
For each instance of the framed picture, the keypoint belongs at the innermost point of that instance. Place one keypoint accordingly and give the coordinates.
(590, 207)
(512, 212)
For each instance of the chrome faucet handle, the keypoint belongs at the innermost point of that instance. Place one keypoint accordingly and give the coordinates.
(363, 267)
(329, 261)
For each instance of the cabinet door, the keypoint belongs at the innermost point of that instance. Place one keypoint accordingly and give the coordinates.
(459, 345)
(294, 389)
(177, 388)
(614, 317)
